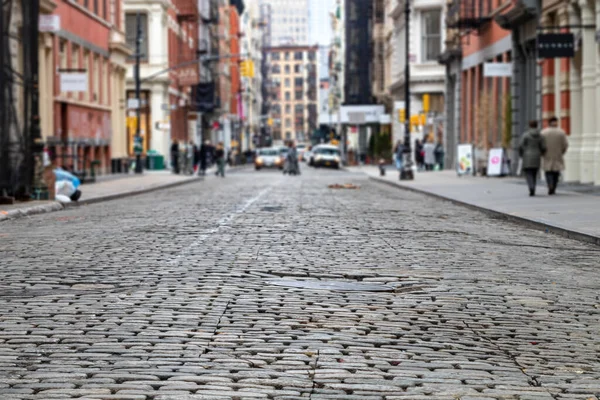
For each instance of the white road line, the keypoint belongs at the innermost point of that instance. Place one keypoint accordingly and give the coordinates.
(220, 224)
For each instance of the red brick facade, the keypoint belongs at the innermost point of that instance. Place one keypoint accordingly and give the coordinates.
(82, 120)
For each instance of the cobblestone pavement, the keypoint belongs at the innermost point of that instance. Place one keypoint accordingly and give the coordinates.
(176, 295)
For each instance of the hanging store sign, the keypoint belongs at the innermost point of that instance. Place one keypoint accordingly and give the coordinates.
(74, 82)
(491, 70)
(556, 45)
(49, 23)
(188, 76)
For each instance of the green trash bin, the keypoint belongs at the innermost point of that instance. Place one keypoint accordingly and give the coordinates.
(155, 161)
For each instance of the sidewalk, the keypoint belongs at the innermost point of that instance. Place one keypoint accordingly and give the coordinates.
(107, 189)
(567, 213)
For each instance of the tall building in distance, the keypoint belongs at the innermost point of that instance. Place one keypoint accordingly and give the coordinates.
(290, 22)
(294, 92)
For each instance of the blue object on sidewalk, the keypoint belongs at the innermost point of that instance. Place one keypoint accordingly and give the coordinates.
(62, 175)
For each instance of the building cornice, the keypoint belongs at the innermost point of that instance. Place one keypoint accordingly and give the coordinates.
(522, 11)
(47, 6)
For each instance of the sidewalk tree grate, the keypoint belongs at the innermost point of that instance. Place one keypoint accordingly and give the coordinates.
(339, 286)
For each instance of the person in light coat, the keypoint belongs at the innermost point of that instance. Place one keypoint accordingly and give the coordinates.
(556, 146)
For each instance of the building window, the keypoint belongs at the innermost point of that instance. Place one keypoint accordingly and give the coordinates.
(276, 69)
(297, 68)
(87, 64)
(299, 82)
(96, 71)
(287, 69)
(298, 55)
(288, 97)
(286, 82)
(299, 109)
(288, 108)
(96, 7)
(287, 55)
(431, 34)
(275, 56)
(298, 95)
(288, 135)
(288, 122)
(131, 33)
(104, 10)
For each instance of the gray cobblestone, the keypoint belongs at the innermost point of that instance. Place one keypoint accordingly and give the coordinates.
(163, 297)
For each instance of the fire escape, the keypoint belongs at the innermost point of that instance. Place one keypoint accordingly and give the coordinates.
(467, 16)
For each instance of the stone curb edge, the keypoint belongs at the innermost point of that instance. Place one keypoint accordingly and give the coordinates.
(567, 233)
(57, 206)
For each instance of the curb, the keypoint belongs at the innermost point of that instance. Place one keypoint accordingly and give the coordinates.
(57, 206)
(25, 212)
(537, 225)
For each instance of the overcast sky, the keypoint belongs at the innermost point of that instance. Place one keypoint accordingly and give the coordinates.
(320, 24)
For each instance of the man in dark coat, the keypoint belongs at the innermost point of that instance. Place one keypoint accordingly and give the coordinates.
(203, 157)
(175, 156)
(531, 150)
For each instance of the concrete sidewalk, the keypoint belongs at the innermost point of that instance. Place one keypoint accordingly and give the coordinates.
(567, 213)
(108, 189)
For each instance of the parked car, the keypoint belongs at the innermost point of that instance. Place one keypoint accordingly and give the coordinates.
(326, 155)
(268, 157)
(301, 149)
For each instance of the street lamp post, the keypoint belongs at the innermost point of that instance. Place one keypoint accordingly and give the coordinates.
(407, 168)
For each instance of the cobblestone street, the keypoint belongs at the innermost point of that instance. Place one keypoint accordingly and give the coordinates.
(183, 294)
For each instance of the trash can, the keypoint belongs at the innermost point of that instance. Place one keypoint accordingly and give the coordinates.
(155, 160)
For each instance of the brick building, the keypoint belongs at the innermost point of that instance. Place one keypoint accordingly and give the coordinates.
(294, 92)
(89, 125)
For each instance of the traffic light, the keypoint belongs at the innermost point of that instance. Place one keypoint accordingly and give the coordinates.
(402, 115)
(425, 103)
(247, 69)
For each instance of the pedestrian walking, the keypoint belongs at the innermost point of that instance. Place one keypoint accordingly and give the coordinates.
(439, 155)
(189, 153)
(175, 156)
(399, 154)
(556, 146)
(429, 150)
(220, 158)
(531, 150)
(419, 154)
(203, 156)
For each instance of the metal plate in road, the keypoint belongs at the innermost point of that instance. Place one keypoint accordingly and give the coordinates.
(339, 286)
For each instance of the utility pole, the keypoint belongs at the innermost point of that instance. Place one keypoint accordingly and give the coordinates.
(407, 172)
(138, 138)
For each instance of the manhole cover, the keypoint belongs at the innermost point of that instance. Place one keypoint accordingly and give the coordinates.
(272, 208)
(332, 285)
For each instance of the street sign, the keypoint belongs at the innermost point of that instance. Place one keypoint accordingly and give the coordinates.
(133, 104)
(74, 82)
(49, 23)
(491, 70)
(556, 45)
